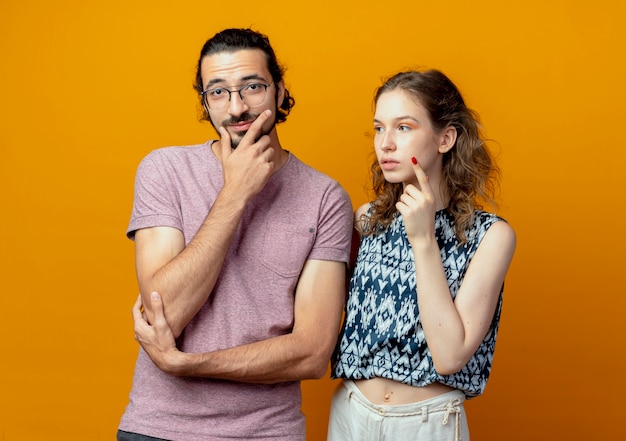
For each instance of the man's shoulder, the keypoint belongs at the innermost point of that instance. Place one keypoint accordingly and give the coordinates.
(178, 158)
(180, 151)
(310, 174)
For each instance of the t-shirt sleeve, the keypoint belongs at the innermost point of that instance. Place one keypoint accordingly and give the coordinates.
(155, 200)
(334, 234)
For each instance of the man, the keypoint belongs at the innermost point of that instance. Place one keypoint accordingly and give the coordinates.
(247, 248)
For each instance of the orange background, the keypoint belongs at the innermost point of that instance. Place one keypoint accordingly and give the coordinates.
(89, 88)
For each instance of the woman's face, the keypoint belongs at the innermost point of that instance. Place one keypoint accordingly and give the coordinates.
(403, 130)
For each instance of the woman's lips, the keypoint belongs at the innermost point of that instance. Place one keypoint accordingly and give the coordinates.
(388, 164)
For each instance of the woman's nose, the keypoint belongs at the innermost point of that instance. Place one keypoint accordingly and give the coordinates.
(387, 142)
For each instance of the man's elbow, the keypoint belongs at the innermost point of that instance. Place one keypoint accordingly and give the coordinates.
(317, 364)
(317, 369)
(149, 313)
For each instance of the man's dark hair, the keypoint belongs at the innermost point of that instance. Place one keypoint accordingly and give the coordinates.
(231, 40)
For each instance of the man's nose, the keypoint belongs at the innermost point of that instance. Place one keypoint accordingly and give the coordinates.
(236, 105)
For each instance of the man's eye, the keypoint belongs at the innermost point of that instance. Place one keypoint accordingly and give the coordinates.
(216, 93)
(254, 87)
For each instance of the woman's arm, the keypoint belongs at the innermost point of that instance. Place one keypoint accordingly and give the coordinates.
(453, 328)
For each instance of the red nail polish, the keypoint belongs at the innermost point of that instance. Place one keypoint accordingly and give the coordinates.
(414, 160)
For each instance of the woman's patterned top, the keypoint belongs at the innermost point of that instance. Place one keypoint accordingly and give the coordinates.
(382, 334)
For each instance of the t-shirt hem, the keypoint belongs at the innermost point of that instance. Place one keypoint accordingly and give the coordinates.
(179, 436)
(332, 254)
(152, 221)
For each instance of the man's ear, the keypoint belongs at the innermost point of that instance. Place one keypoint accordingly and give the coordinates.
(448, 139)
(280, 93)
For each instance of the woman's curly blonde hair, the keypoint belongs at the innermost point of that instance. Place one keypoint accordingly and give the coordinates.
(470, 175)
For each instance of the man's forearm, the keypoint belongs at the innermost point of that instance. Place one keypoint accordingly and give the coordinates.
(285, 358)
(186, 281)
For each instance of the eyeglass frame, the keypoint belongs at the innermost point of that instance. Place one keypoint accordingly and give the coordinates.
(205, 101)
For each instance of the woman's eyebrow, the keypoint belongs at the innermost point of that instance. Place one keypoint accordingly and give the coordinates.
(400, 118)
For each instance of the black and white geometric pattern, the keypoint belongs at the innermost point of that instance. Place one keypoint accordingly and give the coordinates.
(382, 335)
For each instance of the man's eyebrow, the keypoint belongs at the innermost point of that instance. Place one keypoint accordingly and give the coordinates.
(215, 81)
(253, 77)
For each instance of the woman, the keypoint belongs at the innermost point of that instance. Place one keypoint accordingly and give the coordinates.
(425, 297)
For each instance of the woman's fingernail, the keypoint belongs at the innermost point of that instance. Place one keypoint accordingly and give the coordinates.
(414, 160)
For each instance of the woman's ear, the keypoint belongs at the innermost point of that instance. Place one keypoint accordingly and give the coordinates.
(448, 139)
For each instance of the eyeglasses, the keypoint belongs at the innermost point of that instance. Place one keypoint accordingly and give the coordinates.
(252, 94)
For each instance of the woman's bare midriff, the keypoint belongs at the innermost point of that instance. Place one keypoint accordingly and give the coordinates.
(382, 391)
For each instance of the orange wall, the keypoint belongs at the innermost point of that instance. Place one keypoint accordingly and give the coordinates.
(89, 88)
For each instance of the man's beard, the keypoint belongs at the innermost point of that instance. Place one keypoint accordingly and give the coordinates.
(244, 117)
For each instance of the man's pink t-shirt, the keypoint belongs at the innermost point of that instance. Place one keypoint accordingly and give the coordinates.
(301, 214)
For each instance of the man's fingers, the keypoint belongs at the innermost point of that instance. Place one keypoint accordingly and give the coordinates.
(157, 308)
(225, 143)
(250, 136)
(138, 317)
(137, 309)
(255, 128)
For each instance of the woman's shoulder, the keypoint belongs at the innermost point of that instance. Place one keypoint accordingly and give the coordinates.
(362, 210)
(486, 219)
(360, 216)
(496, 226)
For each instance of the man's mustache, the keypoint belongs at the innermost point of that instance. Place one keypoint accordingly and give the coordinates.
(244, 117)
